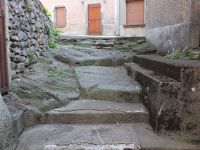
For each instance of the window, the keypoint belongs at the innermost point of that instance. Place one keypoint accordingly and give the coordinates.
(60, 15)
(134, 12)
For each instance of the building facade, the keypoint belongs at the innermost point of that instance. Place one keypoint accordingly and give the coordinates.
(173, 24)
(98, 17)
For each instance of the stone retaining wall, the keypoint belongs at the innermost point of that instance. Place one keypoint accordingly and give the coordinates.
(28, 26)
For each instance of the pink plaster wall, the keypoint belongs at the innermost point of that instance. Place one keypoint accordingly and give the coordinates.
(77, 14)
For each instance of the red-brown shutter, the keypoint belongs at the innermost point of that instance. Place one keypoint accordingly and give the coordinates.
(60, 17)
(94, 19)
(135, 12)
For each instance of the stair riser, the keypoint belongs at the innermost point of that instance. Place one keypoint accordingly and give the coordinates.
(96, 118)
(94, 62)
(117, 96)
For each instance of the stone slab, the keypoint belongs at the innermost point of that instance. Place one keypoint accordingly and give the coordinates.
(97, 137)
(46, 85)
(39, 137)
(98, 112)
(107, 83)
(90, 56)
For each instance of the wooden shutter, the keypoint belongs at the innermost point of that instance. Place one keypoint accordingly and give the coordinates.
(4, 80)
(135, 12)
(60, 17)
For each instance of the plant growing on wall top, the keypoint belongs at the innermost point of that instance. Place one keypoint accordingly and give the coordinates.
(187, 54)
(47, 12)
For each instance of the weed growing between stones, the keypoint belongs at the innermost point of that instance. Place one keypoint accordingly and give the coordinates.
(46, 62)
(32, 57)
(130, 45)
(58, 74)
(187, 54)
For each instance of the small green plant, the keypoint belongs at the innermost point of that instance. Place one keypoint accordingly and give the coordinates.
(46, 61)
(57, 32)
(52, 44)
(187, 54)
(129, 45)
(52, 33)
(32, 56)
(57, 74)
(47, 12)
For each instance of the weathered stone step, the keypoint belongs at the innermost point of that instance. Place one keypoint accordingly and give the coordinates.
(98, 112)
(141, 74)
(17, 116)
(91, 56)
(97, 137)
(161, 65)
(107, 83)
(159, 93)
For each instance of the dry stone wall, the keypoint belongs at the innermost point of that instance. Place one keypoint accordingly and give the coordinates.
(28, 32)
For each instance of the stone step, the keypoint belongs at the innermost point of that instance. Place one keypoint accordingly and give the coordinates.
(97, 137)
(107, 83)
(158, 93)
(90, 56)
(17, 116)
(98, 112)
(141, 74)
(161, 65)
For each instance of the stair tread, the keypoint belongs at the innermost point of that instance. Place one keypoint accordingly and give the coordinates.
(107, 83)
(161, 65)
(148, 73)
(100, 136)
(90, 56)
(100, 106)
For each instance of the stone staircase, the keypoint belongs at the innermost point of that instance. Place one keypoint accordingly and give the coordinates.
(164, 87)
(109, 115)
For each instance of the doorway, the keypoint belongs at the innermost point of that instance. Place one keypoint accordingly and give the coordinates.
(94, 19)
